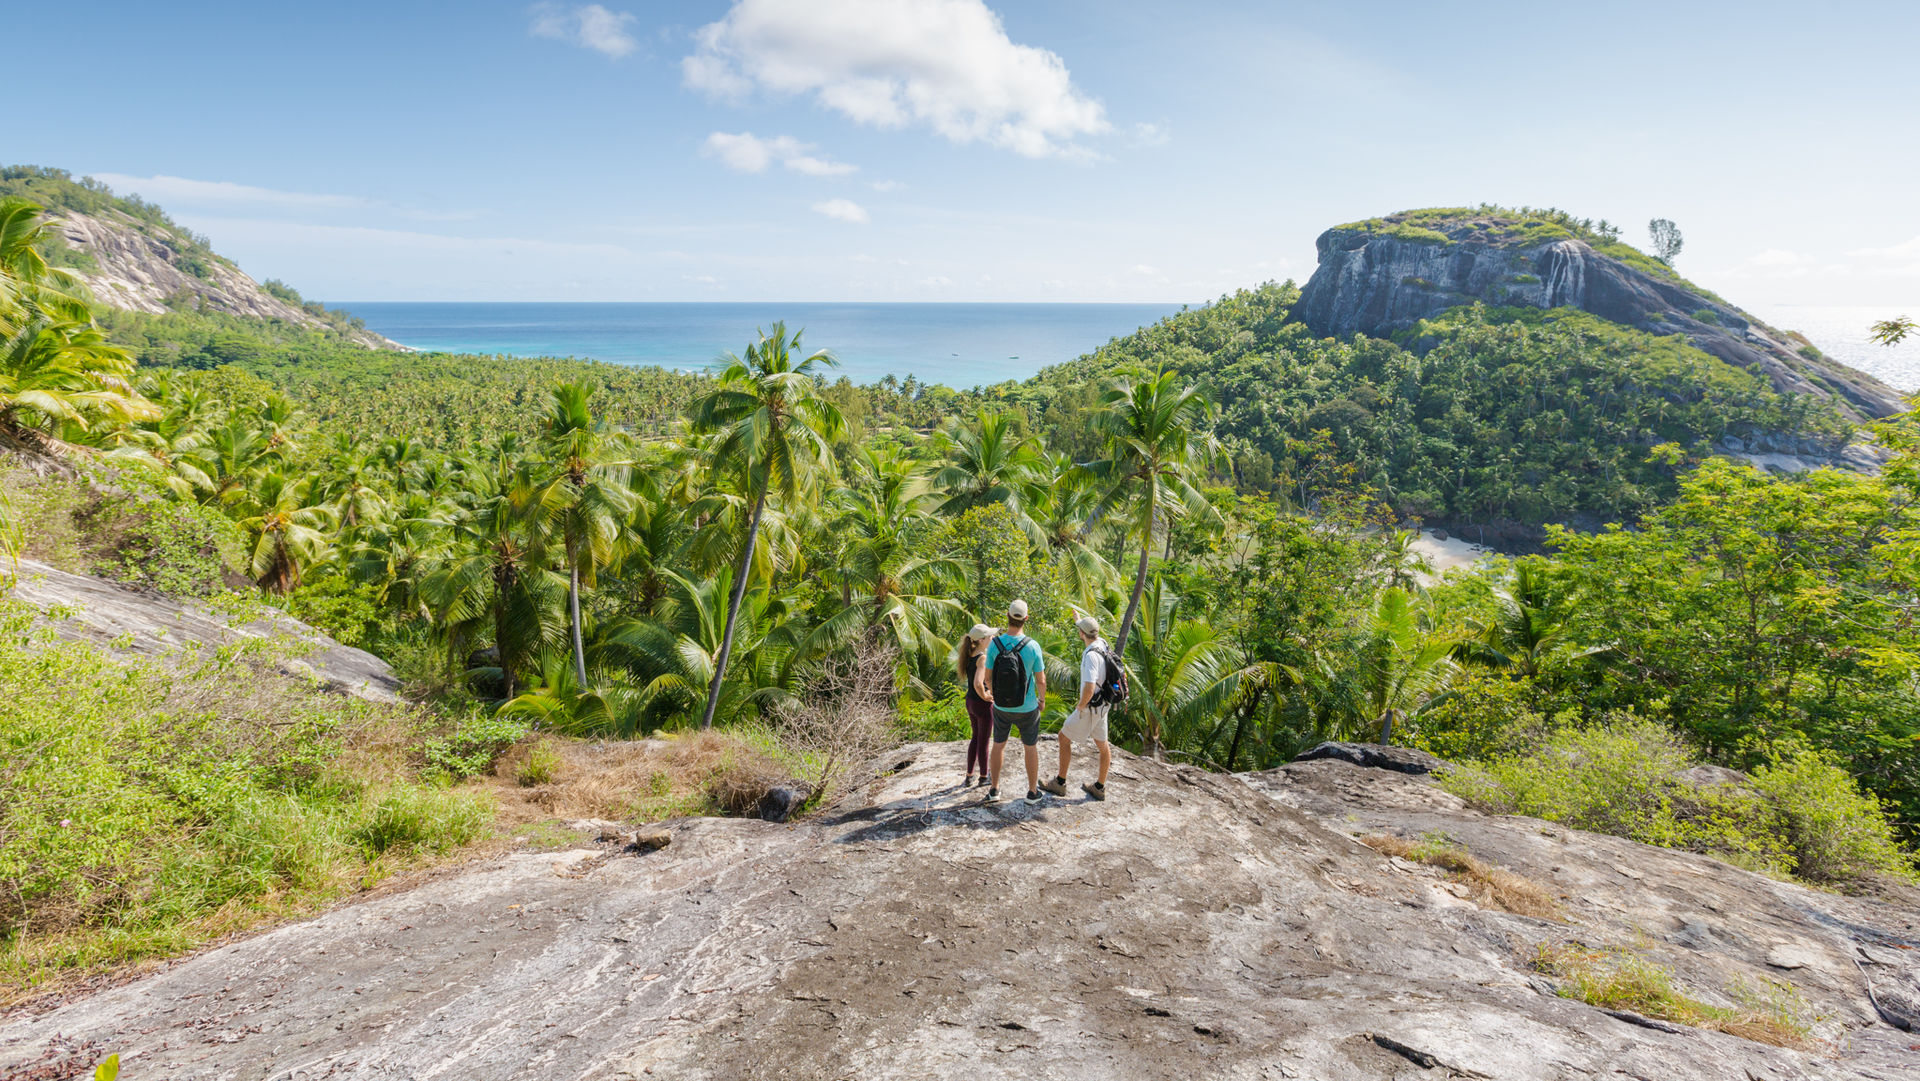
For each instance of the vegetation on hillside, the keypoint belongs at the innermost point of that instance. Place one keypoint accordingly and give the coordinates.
(612, 553)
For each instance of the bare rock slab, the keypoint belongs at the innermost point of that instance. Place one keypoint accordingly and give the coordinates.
(1193, 925)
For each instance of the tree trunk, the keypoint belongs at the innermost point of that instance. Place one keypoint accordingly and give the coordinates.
(500, 643)
(573, 609)
(1150, 744)
(1386, 726)
(1139, 582)
(733, 607)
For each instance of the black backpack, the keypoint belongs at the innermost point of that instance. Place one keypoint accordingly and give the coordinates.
(1113, 682)
(1010, 673)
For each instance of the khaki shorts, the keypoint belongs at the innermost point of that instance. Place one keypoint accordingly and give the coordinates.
(1089, 723)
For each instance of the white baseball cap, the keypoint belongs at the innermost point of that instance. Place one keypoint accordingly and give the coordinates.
(980, 632)
(1017, 610)
(1088, 625)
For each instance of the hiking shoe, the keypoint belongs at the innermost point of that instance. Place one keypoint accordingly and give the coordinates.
(1056, 786)
(1095, 789)
(1033, 796)
(993, 796)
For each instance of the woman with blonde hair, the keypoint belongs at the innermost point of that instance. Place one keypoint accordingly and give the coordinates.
(979, 710)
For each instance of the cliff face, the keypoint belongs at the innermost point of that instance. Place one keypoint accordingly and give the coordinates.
(142, 267)
(1384, 276)
(1195, 925)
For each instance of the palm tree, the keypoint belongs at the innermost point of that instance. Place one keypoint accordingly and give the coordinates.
(1062, 512)
(678, 655)
(491, 571)
(885, 588)
(289, 529)
(775, 430)
(986, 462)
(589, 494)
(1400, 666)
(29, 286)
(1157, 445)
(1182, 674)
(63, 375)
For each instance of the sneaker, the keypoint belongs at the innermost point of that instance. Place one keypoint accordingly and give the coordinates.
(1033, 796)
(1095, 789)
(993, 796)
(1057, 786)
(968, 783)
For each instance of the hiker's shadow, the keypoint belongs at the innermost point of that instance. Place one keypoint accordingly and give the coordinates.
(906, 817)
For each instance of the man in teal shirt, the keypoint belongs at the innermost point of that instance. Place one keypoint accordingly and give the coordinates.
(1014, 705)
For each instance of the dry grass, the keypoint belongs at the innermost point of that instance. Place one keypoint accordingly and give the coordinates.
(640, 780)
(1487, 884)
(1616, 979)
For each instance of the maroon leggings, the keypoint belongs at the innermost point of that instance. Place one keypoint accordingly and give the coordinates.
(980, 712)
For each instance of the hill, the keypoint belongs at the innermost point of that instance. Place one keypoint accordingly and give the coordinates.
(1280, 924)
(135, 258)
(1382, 276)
(1489, 371)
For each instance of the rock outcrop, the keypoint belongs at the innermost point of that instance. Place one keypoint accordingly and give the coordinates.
(90, 609)
(143, 268)
(1379, 278)
(1194, 925)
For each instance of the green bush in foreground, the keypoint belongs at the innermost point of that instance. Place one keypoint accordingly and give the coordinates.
(1801, 816)
(145, 810)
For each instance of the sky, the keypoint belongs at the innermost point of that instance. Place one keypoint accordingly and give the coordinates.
(976, 150)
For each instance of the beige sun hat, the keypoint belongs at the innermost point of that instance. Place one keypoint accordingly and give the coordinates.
(1017, 610)
(1088, 625)
(980, 632)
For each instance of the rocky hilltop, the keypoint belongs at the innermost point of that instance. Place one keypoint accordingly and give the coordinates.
(1195, 925)
(1382, 276)
(135, 258)
(139, 267)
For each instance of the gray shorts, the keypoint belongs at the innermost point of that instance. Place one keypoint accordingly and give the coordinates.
(1027, 723)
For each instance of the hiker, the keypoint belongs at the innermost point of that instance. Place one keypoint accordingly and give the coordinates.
(979, 709)
(1014, 679)
(1089, 718)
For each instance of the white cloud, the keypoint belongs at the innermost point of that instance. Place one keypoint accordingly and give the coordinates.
(1146, 271)
(842, 210)
(1148, 135)
(1908, 250)
(172, 190)
(885, 185)
(748, 153)
(939, 280)
(589, 26)
(947, 64)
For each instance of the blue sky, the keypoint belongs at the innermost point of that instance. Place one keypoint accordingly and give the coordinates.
(1088, 150)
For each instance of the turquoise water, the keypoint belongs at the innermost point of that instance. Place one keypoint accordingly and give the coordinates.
(960, 345)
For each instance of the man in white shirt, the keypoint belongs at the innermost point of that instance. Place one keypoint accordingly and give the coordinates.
(1087, 721)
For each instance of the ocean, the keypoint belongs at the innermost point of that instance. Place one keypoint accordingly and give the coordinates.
(960, 345)
(1841, 333)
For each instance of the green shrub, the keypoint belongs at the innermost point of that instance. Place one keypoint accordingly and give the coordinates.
(1484, 715)
(1707, 315)
(421, 816)
(1810, 351)
(144, 810)
(478, 739)
(1524, 279)
(1836, 832)
(936, 720)
(542, 764)
(1803, 816)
